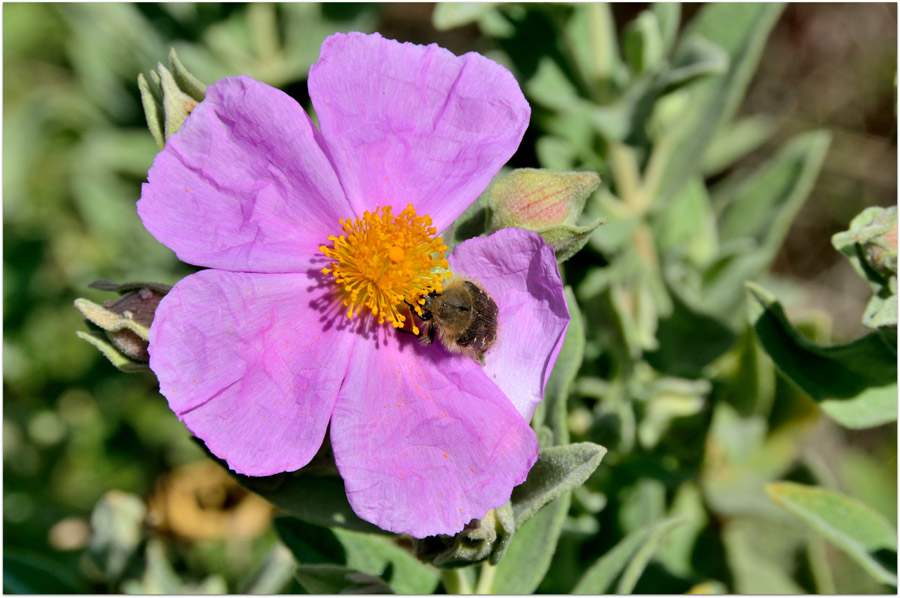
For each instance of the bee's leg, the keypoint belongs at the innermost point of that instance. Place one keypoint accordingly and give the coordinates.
(428, 337)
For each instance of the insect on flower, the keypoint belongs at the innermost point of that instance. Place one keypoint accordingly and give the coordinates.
(462, 316)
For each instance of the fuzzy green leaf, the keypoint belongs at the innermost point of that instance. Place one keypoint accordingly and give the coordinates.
(558, 470)
(626, 560)
(642, 43)
(532, 548)
(852, 526)
(741, 31)
(758, 213)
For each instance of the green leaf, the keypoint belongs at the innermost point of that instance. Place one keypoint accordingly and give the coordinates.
(735, 141)
(757, 217)
(699, 58)
(685, 227)
(626, 560)
(532, 548)
(368, 553)
(763, 205)
(185, 80)
(741, 31)
(334, 579)
(449, 15)
(26, 572)
(668, 15)
(849, 524)
(272, 575)
(567, 240)
(380, 555)
(591, 37)
(152, 112)
(689, 340)
(676, 548)
(310, 544)
(558, 470)
(855, 383)
(759, 554)
(116, 357)
(642, 43)
(317, 499)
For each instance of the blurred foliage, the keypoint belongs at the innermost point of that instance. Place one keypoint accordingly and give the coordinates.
(727, 464)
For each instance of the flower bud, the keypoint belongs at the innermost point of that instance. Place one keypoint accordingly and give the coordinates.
(874, 231)
(169, 98)
(547, 202)
(480, 540)
(124, 324)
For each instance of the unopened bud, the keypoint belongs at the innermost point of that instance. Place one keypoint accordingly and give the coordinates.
(122, 327)
(547, 202)
(484, 539)
(169, 97)
(874, 231)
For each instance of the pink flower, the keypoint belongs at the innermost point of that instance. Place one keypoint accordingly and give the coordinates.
(257, 355)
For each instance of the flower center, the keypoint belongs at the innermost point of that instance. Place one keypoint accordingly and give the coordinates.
(387, 263)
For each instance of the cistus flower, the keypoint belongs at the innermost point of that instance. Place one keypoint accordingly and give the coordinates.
(318, 241)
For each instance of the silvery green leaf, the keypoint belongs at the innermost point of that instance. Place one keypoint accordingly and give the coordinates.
(734, 141)
(849, 524)
(756, 214)
(698, 58)
(642, 43)
(187, 82)
(741, 31)
(116, 357)
(567, 240)
(668, 15)
(152, 104)
(558, 470)
(449, 15)
(591, 36)
(759, 555)
(532, 548)
(623, 565)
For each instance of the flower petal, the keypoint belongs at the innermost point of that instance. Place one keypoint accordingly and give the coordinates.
(425, 441)
(414, 124)
(244, 185)
(244, 361)
(518, 270)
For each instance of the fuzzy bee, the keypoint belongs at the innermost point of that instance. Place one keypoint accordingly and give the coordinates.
(462, 316)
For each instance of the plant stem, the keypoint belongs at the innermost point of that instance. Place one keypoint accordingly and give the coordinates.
(456, 581)
(627, 176)
(485, 583)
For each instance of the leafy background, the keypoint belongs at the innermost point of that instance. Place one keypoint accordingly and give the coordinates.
(682, 493)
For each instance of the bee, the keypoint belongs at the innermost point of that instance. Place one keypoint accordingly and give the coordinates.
(462, 316)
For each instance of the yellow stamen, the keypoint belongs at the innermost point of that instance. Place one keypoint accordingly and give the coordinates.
(387, 263)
